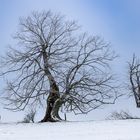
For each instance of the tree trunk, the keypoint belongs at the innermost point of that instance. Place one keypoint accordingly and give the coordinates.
(55, 110)
(53, 103)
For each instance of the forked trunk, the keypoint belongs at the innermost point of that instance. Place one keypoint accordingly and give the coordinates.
(53, 105)
(55, 110)
(52, 102)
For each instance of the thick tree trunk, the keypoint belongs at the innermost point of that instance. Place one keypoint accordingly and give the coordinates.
(52, 110)
(53, 103)
(52, 100)
(55, 110)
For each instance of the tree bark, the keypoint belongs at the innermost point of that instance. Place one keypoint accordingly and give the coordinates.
(55, 110)
(52, 103)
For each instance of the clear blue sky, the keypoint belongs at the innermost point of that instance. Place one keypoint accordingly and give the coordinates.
(117, 21)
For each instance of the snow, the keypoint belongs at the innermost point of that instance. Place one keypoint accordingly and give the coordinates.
(92, 130)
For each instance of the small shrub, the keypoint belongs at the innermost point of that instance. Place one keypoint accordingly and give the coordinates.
(29, 117)
(122, 115)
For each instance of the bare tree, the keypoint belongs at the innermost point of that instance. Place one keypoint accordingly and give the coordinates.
(134, 77)
(53, 62)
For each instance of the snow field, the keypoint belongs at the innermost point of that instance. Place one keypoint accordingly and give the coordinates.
(92, 130)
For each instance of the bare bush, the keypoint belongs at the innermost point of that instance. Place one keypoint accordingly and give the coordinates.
(29, 117)
(122, 115)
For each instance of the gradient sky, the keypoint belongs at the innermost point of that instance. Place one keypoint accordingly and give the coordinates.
(117, 21)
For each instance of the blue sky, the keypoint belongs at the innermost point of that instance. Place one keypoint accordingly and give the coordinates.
(117, 21)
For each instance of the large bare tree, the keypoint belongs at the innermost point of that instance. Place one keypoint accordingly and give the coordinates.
(134, 78)
(54, 62)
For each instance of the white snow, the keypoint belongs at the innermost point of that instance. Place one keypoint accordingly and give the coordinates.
(93, 130)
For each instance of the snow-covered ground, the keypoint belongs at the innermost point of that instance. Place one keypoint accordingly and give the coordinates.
(93, 130)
